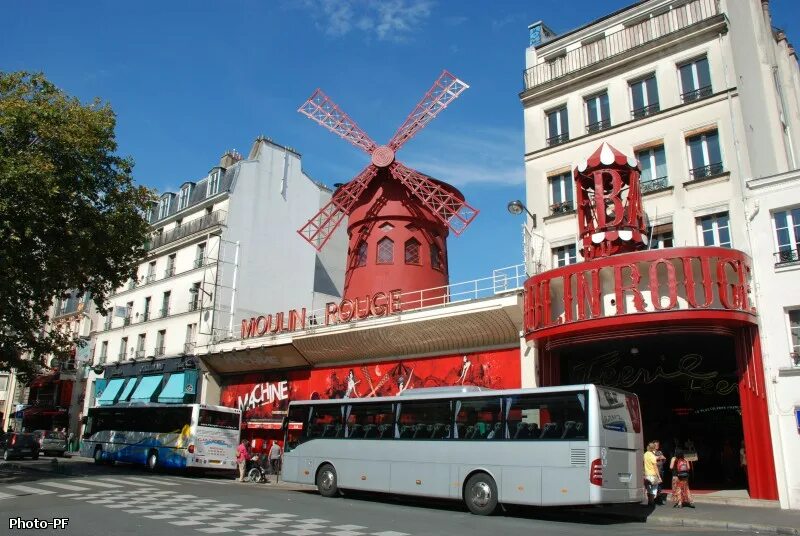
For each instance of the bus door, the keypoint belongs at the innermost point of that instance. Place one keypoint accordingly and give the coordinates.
(620, 434)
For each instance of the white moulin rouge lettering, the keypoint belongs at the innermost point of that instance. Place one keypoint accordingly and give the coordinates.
(263, 393)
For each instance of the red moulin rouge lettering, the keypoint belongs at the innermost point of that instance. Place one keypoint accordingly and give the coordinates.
(376, 305)
(639, 282)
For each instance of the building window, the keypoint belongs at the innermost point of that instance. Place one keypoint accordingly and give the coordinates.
(644, 97)
(200, 255)
(194, 296)
(653, 162)
(163, 206)
(160, 341)
(361, 256)
(787, 234)
(212, 187)
(151, 272)
(565, 255)
(109, 319)
(695, 80)
(3, 383)
(705, 157)
(103, 352)
(183, 197)
(140, 345)
(385, 253)
(412, 251)
(146, 311)
(128, 314)
(165, 304)
(437, 263)
(794, 328)
(191, 338)
(557, 126)
(170, 271)
(561, 198)
(662, 236)
(598, 114)
(715, 230)
(123, 348)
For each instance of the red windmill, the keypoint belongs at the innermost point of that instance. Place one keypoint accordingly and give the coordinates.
(399, 218)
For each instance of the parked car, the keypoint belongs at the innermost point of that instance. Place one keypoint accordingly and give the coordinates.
(19, 445)
(51, 443)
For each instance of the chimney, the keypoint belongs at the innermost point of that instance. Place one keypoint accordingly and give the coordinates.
(229, 158)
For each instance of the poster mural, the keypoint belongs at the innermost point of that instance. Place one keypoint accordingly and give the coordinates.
(266, 395)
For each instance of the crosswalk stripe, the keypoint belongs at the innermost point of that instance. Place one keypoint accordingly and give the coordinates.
(27, 489)
(95, 483)
(127, 481)
(5, 495)
(63, 486)
(151, 481)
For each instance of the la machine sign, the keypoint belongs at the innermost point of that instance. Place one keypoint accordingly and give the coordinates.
(376, 305)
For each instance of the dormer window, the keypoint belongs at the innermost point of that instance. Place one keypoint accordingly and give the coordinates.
(163, 206)
(212, 187)
(183, 197)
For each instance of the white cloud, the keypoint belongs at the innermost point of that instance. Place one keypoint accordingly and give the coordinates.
(473, 155)
(388, 20)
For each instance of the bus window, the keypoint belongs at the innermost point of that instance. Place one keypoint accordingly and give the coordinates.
(218, 419)
(561, 416)
(369, 421)
(325, 422)
(425, 420)
(298, 415)
(478, 418)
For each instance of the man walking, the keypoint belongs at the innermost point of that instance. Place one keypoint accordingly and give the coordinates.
(275, 457)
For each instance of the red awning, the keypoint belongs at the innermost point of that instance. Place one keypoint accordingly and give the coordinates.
(45, 379)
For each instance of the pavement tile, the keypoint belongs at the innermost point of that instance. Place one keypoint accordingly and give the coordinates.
(186, 523)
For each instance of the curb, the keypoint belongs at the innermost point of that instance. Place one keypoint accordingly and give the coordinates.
(724, 525)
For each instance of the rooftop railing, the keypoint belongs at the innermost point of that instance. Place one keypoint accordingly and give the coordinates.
(620, 42)
(187, 229)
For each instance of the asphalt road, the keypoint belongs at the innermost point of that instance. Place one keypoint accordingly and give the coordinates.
(122, 500)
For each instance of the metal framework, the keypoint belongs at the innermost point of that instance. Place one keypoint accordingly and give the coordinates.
(450, 209)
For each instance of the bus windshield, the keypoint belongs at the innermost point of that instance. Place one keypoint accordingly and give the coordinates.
(619, 411)
(218, 419)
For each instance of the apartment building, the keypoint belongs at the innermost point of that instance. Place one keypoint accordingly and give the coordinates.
(703, 94)
(222, 248)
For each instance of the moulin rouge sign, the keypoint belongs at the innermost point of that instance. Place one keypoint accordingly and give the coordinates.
(375, 305)
(706, 278)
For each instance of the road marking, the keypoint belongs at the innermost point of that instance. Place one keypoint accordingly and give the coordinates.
(63, 486)
(151, 481)
(26, 489)
(95, 483)
(5, 496)
(124, 481)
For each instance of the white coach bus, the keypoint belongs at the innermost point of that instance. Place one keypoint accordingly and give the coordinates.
(567, 445)
(170, 436)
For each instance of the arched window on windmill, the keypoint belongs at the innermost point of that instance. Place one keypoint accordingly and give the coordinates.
(385, 254)
(436, 257)
(412, 251)
(361, 257)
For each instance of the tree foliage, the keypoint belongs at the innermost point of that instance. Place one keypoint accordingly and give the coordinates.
(70, 213)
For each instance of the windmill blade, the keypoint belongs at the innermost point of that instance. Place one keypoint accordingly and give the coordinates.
(321, 227)
(324, 111)
(454, 212)
(446, 89)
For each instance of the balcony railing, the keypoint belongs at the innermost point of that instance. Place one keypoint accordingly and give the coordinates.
(597, 126)
(620, 42)
(145, 316)
(149, 279)
(126, 321)
(194, 305)
(159, 351)
(188, 348)
(169, 272)
(653, 185)
(787, 256)
(706, 171)
(201, 261)
(697, 94)
(561, 208)
(558, 139)
(107, 324)
(164, 311)
(120, 356)
(645, 111)
(139, 354)
(187, 229)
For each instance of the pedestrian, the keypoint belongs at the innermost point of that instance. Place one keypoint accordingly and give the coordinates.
(681, 467)
(660, 461)
(71, 442)
(241, 458)
(275, 457)
(651, 473)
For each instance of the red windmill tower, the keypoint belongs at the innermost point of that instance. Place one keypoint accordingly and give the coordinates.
(399, 218)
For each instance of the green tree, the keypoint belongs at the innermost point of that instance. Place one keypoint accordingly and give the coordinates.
(70, 214)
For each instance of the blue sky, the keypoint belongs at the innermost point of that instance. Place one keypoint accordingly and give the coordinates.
(189, 80)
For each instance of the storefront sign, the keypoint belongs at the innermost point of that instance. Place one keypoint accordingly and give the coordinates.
(377, 305)
(651, 281)
(265, 396)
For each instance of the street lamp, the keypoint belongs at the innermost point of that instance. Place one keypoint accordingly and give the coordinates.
(516, 207)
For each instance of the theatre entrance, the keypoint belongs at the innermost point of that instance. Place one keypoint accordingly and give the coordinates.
(688, 387)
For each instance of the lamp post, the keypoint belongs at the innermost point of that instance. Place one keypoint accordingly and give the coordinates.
(516, 207)
(532, 266)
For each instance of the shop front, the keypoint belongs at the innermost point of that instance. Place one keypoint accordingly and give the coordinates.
(166, 381)
(49, 398)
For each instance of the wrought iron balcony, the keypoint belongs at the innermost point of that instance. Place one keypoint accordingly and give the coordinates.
(149, 279)
(126, 321)
(187, 229)
(194, 305)
(706, 171)
(561, 208)
(145, 316)
(169, 272)
(697, 94)
(620, 42)
(597, 126)
(188, 348)
(558, 139)
(653, 185)
(645, 111)
(199, 262)
(139, 354)
(159, 351)
(165, 311)
(787, 256)
(107, 324)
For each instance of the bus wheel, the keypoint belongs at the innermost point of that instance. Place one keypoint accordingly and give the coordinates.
(480, 494)
(152, 460)
(326, 481)
(98, 455)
